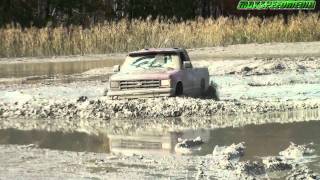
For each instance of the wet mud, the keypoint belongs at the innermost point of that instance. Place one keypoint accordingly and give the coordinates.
(265, 125)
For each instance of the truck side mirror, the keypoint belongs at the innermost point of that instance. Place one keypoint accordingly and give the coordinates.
(116, 68)
(187, 64)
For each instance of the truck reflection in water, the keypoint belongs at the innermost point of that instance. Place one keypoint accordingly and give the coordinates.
(153, 143)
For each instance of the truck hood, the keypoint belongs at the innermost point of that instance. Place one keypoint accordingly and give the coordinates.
(143, 75)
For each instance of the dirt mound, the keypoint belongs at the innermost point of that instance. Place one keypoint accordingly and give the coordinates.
(295, 151)
(230, 152)
(189, 146)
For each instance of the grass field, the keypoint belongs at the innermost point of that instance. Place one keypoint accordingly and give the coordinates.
(128, 35)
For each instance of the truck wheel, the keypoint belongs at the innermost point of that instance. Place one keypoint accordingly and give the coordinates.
(179, 89)
(105, 92)
(212, 91)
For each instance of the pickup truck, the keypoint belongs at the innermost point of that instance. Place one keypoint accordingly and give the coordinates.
(158, 72)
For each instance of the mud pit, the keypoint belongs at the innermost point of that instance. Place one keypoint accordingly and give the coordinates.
(266, 102)
(151, 154)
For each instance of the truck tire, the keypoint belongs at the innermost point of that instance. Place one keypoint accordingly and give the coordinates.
(212, 92)
(105, 92)
(179, 89)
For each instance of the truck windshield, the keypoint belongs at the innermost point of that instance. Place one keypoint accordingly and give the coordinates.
(149, 62)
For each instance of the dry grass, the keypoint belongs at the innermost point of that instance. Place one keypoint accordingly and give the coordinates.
(126, 36)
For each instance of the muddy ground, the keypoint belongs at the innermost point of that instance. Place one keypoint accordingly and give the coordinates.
(257, 84)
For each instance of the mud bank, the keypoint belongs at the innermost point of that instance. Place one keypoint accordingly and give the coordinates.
(31, 162)
(219, 52)
(106, 109)
(136, 125)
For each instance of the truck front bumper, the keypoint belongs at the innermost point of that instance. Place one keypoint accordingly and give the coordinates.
(141, 93)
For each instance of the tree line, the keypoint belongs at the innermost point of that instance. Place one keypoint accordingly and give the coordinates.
(86, 12)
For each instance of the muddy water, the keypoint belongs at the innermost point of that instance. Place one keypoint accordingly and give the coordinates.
(266, 140)
(50, 69)
(75, 141)
(261, 140)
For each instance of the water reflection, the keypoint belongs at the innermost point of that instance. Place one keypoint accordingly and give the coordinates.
(153, 143)
(263, 140)
(260, 141)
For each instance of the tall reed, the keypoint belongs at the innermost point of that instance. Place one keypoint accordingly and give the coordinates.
(128, 35)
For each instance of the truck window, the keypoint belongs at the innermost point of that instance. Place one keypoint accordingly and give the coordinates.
(151, 61)
(183, 58)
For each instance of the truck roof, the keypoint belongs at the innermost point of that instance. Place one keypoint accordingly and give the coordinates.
(157, 50)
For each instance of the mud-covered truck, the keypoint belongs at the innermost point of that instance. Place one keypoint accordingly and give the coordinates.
(157, 72)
